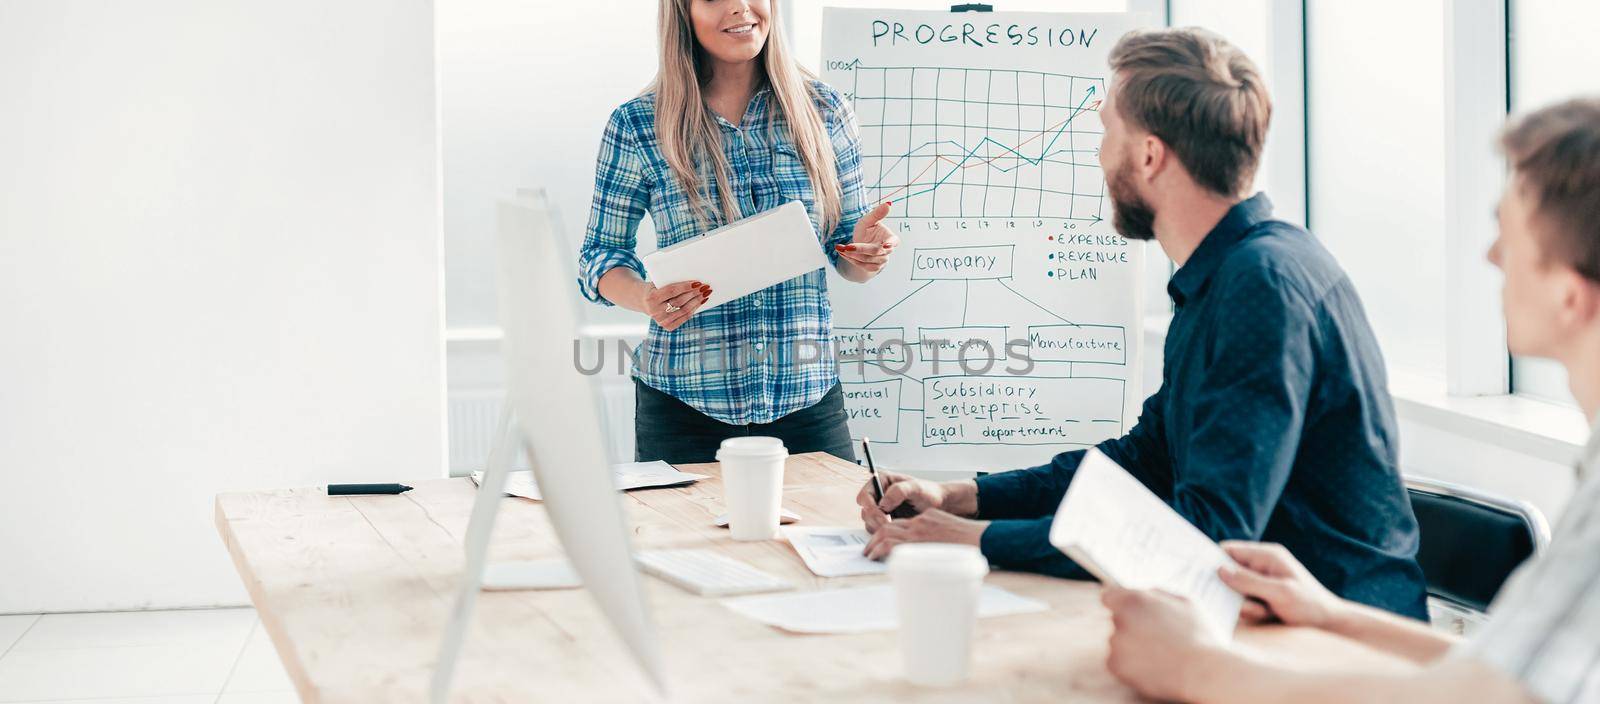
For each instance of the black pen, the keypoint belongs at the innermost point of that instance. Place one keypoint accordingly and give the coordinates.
(352, 489)
(901, 511)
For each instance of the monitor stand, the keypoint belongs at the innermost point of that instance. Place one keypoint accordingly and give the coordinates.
(476, 573)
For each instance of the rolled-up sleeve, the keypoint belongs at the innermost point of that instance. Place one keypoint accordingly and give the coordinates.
(621, 198)
(846, 137)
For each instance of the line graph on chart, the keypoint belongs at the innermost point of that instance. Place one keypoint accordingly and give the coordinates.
(953, 142)
(1006, 327)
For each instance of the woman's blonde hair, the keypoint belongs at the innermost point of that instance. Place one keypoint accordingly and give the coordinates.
(688, 131)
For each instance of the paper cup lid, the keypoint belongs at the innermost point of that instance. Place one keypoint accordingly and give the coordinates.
(938, 560)
(751, 445)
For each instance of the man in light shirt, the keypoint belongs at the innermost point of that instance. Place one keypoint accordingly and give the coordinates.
(1542, 642)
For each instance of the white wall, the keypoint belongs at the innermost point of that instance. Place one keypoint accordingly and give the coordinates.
(219, 270)
(525, 91)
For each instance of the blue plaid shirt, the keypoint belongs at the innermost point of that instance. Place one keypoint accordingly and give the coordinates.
(766, 355)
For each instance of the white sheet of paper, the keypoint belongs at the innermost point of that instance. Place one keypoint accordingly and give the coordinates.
(646, 475)
(858, 609)
(628, 476)
(833, 552)
(1121, 533)
(743, 257)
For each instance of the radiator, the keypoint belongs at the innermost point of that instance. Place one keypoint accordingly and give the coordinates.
(474, 413)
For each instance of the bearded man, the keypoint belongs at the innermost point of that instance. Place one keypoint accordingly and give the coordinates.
(1273, 421)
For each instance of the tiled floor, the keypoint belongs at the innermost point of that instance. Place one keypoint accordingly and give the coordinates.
(217, 656)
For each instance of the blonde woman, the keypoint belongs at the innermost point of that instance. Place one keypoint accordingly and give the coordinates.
(731, 126)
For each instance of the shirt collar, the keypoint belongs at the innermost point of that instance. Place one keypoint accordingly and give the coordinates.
(756, 108)
(1191, 278)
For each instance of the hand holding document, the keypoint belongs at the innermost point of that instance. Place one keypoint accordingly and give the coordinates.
(743, 257)
(1124, 535)
(628, 476)
(833, 552)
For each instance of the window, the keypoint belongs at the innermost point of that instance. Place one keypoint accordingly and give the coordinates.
(1550, 62)
(1377, 166)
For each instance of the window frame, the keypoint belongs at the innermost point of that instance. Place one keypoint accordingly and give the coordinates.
(1477, 101)
(1530, 377)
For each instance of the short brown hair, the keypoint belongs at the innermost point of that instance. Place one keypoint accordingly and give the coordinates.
(1200, 95)
(1556, 154)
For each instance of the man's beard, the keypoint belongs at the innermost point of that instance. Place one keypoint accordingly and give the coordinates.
(1130, 215)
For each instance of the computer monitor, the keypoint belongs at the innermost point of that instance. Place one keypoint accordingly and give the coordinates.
(552, 411)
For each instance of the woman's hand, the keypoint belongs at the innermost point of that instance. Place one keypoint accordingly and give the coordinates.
(871, 244)
(1277, 585)
(671, 305)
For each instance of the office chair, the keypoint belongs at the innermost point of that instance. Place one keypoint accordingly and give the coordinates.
(1471, 542)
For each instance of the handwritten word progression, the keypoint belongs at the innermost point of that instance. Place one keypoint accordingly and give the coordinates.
(1100, 344)
(969, 342)
(962, 263)
(1016, 410)
(883, 345)
(873, 408)
(890, 33)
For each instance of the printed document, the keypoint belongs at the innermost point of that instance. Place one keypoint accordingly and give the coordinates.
(1126, 536)
(833, 552)
(628, 476)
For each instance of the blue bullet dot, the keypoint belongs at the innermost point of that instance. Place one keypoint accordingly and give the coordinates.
(1049, 273)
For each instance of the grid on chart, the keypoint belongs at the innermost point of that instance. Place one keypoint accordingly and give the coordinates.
(981, 143)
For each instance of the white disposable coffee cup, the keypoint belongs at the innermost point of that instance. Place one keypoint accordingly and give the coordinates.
(936, 588)
(752, 485)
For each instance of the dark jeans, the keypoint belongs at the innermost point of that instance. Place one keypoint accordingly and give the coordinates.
(670, 430)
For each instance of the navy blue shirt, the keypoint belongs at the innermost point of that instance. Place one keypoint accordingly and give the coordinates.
(1273, 423)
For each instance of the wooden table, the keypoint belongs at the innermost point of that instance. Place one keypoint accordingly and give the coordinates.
(355, 592)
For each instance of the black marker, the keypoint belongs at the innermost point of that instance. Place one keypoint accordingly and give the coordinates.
(904, 510)
(355, 489)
